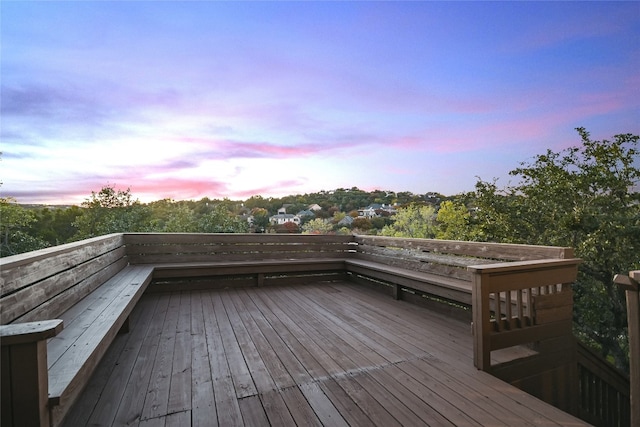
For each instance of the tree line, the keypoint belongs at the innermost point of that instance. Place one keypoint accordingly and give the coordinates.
(586, 197)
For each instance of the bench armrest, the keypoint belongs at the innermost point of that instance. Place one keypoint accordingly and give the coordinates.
(22, 333)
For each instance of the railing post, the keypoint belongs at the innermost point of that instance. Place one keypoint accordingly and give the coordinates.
(630, 284)
(25, 392)
(481, 322)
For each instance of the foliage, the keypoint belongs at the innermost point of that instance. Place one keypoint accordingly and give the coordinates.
(111, 211)
(220, 220)
(55, 225)
(260, 221)
(581, 197)
(317, 226)
(14, 221)
(414, 220)
(453, 222)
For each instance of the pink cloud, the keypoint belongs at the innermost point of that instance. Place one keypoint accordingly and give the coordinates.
(233, 149)
(179, 189)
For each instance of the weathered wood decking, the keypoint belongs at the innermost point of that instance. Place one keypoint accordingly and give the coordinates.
(317, 354)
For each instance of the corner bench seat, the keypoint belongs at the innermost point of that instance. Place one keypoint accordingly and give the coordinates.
(260, 266)
(435, 284)
(89, 328)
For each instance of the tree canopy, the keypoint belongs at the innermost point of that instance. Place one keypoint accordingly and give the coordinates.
(585, 197)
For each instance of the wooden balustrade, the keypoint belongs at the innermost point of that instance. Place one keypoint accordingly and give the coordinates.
(528, 303)
(603, 390)
(631, 285)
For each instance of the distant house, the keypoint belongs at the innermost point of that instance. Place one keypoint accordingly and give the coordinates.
(306, 213)
(375, 210)
(283, 218)
(368, 212)
(315, 207)
(346, 221)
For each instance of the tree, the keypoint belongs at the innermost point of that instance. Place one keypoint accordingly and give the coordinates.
(55, 225)
(180, 219)
(111, 211)
(581, 197)
(221, 220)
(317, 226)
(453, 222)
(14, 224)
(412, 221)
(260, 221)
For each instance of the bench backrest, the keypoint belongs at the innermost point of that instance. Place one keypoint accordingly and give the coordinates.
(43, 284)
(175, 248)
(448, 258)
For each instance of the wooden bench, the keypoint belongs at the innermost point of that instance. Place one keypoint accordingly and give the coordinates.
(436, 267)
(223, 260)
(61, 309)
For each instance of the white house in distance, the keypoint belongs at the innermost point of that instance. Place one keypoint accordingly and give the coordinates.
(280, 219)
(375, 209)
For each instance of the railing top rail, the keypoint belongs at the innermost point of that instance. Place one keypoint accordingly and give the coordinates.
(498, 251)
(30, 257)
(231, 238)
(523, 266)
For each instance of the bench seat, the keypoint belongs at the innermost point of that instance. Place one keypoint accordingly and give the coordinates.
(435, 284)
(263, 266)
(89, 328)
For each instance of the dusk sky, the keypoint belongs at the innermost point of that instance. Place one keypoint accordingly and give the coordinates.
(233, 99)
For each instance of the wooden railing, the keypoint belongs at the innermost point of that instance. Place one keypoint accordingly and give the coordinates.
(631, 285)
(528, 303)
(603, 390)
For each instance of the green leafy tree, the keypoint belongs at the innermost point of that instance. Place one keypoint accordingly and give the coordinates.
(260, 220)
(180, 219)
(14, 225)
(414, 220)
(55, 225)
(317, 226)
(361, 225)
(453, 222)
(221, 220)
(585, 197)
(111, 211)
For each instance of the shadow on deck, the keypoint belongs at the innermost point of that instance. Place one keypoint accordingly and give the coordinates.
(325, 353)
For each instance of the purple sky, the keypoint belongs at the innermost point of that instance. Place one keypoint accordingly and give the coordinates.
(234, 99)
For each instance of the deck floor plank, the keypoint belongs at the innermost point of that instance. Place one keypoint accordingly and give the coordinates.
(334, 354)
(300, 410)
(296, 372)
(203, 405)
(271, 372)
(252, 411)
(135, 390)
(225, 399)
(242, 378)
(302, 366)
(310, 352)
(157, 401)
(180, 388)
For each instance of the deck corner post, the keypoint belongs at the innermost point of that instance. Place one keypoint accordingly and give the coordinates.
(481, 321)
(25, 378)
(24, 375)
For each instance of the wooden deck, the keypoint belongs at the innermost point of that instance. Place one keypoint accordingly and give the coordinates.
(329, 354)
